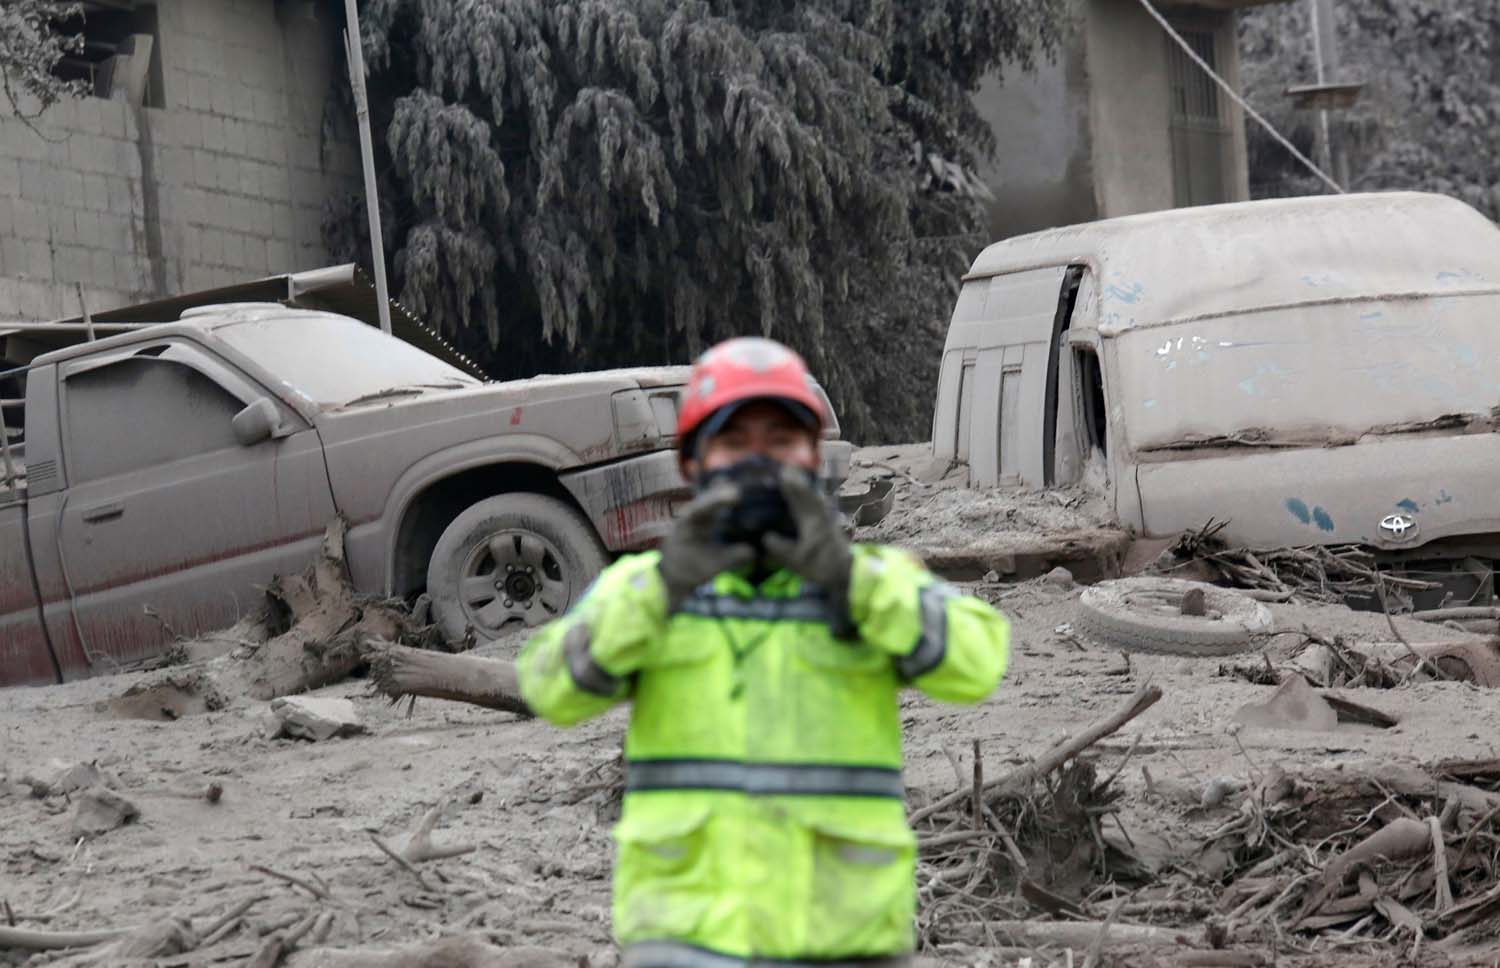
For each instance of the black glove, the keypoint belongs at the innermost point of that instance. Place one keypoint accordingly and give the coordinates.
(820, 552)
(691, 555)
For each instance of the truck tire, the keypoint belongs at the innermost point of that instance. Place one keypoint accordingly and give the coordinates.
(510, 558)
(1145, 615)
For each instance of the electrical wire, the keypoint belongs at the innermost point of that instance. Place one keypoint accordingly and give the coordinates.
(1235, 97)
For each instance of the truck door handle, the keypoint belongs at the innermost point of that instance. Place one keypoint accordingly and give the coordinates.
(104, 512)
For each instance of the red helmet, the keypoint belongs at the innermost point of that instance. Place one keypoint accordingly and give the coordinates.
(739, 370)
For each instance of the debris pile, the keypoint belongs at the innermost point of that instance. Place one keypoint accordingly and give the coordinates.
(1332, 860)
(1338, 662)
(312, 630)
(1399, 858)
(1334, 574)
(964, 533)
(1031, 836)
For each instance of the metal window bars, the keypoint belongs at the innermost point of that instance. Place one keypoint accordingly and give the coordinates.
(12, 455)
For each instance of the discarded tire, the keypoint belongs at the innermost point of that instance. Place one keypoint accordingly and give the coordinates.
(1476, 662)
(1146, 615)
(509, 558)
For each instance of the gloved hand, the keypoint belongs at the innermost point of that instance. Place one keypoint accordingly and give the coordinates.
(690, 554)
(820, 552)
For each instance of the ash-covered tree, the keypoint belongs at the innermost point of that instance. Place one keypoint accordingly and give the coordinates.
(1429, 115)
(585, 183)
(30, 47)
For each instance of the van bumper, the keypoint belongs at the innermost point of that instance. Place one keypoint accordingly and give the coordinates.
(632, 502)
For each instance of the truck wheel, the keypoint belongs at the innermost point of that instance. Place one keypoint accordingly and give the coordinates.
(510, 558)
(1146, 615)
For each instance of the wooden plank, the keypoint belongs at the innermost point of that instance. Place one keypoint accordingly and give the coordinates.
(1091, 555)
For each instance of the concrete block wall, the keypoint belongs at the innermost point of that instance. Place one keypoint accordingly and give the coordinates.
(223, 184)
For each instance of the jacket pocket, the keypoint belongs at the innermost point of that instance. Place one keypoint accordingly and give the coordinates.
(863, 889)
(664, 872)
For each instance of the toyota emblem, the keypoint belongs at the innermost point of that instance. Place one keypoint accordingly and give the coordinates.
(1398, 527)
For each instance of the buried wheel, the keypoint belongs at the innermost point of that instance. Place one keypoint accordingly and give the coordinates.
(513, 558)
(1168, 616)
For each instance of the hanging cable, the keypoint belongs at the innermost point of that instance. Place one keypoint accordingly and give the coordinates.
(1235, 97)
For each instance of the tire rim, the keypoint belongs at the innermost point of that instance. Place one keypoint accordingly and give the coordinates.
(513, 575)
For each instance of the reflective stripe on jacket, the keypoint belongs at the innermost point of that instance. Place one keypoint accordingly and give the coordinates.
(763, 813)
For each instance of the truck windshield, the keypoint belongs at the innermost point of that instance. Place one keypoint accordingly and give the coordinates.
(335, 360)
(1323, 374)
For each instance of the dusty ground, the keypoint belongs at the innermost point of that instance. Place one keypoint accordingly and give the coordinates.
(535, 800)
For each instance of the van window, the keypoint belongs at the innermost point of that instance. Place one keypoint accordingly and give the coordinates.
(1011, 416)
(965, 409)
(1091, 400)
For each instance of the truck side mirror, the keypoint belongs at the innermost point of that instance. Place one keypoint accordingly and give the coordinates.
(256, 422)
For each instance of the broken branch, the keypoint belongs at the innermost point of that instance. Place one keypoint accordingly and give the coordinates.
(278, 946)
(312, 889)
(1144, 699)
(421, 848)
(402, 862)
(29, 940)
(1421, 660)
(1440, 866)
(1080, 934)
(220, 927)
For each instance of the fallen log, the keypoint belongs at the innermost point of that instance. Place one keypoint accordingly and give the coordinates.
(1455, 614)
(328, 626)
(398, 671)
(1080, 935)
(1400, 839)
(463, 951)
(1220, 959)
(311, 630)
(28, 940)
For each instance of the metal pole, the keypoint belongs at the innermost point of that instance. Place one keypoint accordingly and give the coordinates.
(1322, 15)
(88, 321)
(356, 57)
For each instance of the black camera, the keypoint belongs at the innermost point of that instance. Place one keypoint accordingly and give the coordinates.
(762, 508)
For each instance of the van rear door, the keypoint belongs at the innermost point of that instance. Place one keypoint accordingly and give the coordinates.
(998, 391)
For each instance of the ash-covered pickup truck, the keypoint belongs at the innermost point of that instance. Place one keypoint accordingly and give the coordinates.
(152, 481)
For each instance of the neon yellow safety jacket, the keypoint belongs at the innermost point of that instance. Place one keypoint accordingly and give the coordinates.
(764, 814)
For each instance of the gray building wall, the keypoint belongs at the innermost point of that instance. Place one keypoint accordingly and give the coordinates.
(1042, 172)
(223, 184)
(1129, 114)
(1089, 135)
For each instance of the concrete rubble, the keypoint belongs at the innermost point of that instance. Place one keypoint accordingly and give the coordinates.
(99, 810)
(315, 718)
(1294, 705)
(79, 776)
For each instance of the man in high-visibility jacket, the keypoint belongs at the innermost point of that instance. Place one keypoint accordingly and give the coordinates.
(764, 819)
